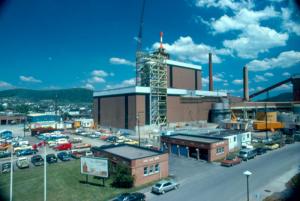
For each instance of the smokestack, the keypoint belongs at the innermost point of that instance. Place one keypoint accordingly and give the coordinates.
(246, 87)
(211, 84)
(161, 40)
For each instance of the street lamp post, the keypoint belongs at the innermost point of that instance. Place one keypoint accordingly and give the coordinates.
(247, 174)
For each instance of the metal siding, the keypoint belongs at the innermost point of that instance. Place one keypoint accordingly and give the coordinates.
(126, 111)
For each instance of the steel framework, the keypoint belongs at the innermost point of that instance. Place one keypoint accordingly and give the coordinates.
(152, 71)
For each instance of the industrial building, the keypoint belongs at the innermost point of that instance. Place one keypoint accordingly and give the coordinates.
(236, 138)
(166, 91)
(145, 165)
(199, 147)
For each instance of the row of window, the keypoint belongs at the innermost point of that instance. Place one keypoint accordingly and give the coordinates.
(152, 169)
(220, 150)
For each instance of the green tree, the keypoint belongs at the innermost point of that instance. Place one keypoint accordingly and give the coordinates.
(23, 109)
(122, 177)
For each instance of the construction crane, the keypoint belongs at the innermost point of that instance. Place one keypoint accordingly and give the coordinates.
(139, 44)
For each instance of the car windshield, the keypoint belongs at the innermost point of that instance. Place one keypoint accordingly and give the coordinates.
(158, 185)
(243, 152)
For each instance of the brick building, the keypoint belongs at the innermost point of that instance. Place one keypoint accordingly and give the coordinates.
(145, 165)
(199, 147)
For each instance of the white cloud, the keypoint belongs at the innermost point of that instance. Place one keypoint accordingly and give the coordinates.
(256, 39)
(121, 61)
(288, 24)
(5, 85)
(125, 83)
(96, 80)
(185, 49)
(224, 4)
(89, 86)
(99, 73)
(29, 79)
(205, 81)
(237, 81)
(284, 60)
(286, 74)
(242, 19)
(284, 87)
(268, 74)
(259, 78)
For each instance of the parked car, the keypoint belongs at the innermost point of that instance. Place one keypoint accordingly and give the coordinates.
(112, 139)
(164, 186)
(5, 168)
(4, 154)
(231, 161)
(271, 146)
(51, 158)
(246, 154)
(37, 160)
(76, 140)
(64, 156)
(260, 150)
(61, 147)
(77, 154)
(289, 140)
(25, 152)
(22, 163)
(130, 197)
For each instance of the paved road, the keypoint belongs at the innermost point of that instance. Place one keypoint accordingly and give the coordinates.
(211, 182)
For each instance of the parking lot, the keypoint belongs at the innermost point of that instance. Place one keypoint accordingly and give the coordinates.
(18, 132)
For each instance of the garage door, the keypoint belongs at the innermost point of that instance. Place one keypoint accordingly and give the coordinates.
(183, 151)
(174, 149)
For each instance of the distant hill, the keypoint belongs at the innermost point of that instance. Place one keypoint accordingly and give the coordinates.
(288, 96)
(76, 95)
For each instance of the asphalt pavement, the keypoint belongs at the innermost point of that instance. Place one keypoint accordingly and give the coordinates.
(201, 181)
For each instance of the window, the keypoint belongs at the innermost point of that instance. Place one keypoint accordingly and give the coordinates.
(145, 171)
(220, 150)
(234, 139)
(157, 168)
(151, 170)
(248, 136)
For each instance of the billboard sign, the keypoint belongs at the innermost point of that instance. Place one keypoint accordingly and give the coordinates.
(94, 166)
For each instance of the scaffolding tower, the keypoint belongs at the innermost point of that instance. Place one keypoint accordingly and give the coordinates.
(152, 72)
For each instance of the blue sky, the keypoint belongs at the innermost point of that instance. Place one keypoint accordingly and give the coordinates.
(52, 44)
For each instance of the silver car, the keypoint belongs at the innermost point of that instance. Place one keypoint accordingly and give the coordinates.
(164, 186)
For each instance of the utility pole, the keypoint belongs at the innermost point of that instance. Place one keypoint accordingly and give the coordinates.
(45, 172)
(266, 116)
(11, 174)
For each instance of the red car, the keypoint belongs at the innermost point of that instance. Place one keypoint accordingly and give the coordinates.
(231, 161)
(61, 147)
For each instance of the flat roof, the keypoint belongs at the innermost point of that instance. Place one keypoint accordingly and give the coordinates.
(195, 138)
(210, 132)
(146, 90)
(183, 65)
(131, 152)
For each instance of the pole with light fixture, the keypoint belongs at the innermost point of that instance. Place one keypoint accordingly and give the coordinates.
(247, 174)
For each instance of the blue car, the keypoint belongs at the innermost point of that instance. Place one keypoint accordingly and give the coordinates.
(25, 152)
(64, 156)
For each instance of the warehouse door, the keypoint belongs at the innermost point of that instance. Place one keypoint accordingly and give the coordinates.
(183, 151)
(174, 149)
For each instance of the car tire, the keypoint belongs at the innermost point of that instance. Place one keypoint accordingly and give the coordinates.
(163, 192)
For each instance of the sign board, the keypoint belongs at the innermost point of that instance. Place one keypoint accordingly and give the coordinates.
(94, 166)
